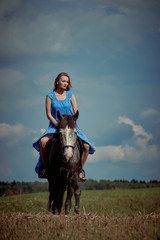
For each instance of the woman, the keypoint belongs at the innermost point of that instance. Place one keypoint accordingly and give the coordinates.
(63, 100)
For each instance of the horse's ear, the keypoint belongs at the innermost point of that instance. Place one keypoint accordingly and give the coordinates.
(60, 117)
(76, 115)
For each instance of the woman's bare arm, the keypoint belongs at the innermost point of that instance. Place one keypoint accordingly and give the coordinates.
(74, 104)
(48, 111)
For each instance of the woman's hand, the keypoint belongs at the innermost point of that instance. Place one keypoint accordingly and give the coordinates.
(56, 123)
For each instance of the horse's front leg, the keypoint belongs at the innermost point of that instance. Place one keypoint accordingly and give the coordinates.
(49, 203)
(59, 202)
(77, 194)
(70, 192)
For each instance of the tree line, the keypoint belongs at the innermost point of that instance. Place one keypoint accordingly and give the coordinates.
(12, 188)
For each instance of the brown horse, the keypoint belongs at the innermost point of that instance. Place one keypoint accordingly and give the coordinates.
(63, 165)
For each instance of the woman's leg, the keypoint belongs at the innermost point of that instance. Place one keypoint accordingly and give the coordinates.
(43, 143)
(84, 158)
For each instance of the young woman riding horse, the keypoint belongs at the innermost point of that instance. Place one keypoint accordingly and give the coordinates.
(64, 100)
(63, 164)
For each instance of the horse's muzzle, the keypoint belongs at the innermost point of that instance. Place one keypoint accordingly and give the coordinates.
(68, 153)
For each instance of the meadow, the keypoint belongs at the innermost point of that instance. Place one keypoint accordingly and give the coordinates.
(105, 214)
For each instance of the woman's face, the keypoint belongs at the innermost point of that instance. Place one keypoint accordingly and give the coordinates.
(63, 82)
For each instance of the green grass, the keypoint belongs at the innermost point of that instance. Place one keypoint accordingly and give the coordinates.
(101, 202)
(105, 215)
(123, 202)
(25, 203)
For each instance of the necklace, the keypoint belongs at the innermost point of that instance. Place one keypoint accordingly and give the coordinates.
(61, 96)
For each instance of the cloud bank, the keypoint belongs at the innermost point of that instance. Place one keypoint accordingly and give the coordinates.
(12, 134)
(139, 149)
(23, 23)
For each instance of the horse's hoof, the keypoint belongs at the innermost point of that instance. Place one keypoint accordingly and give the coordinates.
(76, 210)
(66, 212)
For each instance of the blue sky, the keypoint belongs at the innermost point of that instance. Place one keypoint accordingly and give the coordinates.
(111, 51)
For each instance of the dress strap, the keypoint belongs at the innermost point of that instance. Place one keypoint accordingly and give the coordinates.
(69, 94)
(51, 95)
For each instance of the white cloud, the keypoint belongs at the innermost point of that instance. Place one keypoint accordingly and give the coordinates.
(139, 149)
(136, 153)
(151, 112)
(7, 130)
(137, 129)
(13, 134)
(113, 153)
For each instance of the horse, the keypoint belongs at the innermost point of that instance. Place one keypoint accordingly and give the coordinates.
(63, 165)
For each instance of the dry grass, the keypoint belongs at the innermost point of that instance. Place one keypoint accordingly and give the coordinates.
(105, 215)
(84, 226)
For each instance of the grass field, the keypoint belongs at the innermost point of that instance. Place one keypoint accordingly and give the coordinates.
(106, 214)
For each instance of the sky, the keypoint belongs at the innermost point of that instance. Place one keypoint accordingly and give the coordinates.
(111, 51)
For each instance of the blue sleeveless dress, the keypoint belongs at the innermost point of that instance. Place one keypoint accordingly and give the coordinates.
(65, 107)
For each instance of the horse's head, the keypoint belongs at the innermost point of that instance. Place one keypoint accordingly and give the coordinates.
(67, 133)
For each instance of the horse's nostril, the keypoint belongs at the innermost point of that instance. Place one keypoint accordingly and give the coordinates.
(68, 153)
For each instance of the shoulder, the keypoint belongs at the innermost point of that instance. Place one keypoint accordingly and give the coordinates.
(69, 94)
(50, 95)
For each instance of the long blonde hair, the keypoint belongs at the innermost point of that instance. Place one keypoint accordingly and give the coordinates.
(57, 79)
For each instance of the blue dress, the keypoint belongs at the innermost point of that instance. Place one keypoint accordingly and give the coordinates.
(65, 107)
